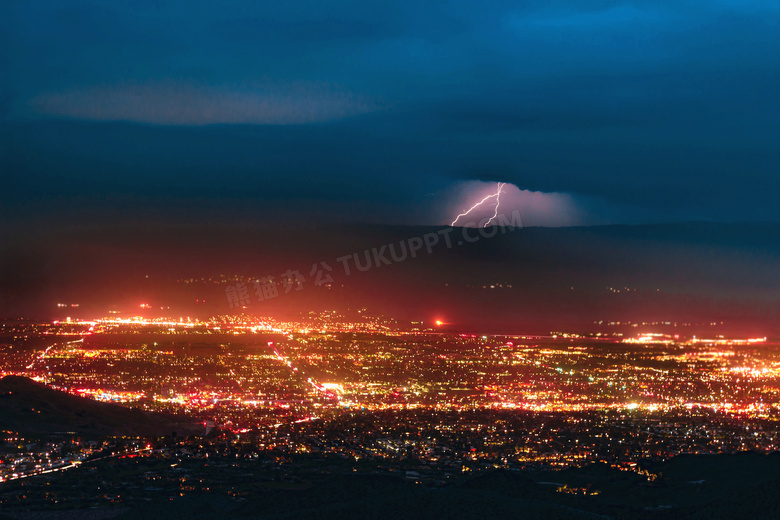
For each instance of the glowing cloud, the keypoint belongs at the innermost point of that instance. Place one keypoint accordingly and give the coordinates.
(497, 195)
(536, 208)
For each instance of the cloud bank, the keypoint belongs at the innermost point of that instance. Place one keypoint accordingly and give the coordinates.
(665, 107)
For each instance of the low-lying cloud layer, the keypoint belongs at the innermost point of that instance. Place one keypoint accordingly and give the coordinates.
(186, 104)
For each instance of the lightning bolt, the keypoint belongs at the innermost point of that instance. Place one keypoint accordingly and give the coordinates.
(498, 203)
(497, 196)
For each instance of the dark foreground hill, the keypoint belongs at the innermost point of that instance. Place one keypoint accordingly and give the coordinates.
(33, 408)
(739, 486)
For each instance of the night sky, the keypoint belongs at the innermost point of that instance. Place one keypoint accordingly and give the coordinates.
(397, 113)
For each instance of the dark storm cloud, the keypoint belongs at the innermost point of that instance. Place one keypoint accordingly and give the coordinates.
(666, 107)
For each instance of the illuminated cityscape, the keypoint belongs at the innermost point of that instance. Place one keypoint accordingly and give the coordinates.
(262, 377)
(332, 391)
